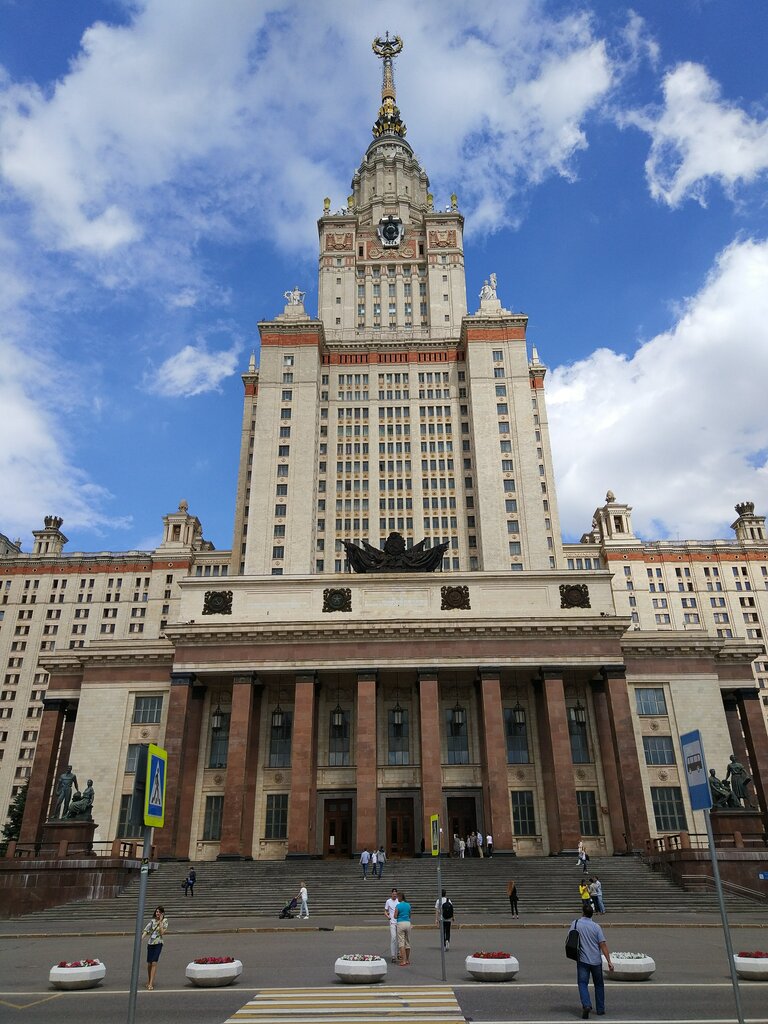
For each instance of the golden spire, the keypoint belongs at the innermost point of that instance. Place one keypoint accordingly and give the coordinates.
(389, 121)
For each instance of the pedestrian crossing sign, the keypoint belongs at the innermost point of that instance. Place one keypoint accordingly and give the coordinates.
(154, 793)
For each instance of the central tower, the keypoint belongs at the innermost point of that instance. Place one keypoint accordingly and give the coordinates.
(394, 410)
(391, 266)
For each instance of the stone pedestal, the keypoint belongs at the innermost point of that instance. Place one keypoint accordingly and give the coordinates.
(67, 838)
(731, 827)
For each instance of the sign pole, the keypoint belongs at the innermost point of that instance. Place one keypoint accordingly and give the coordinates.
(724, 917)
(437, 834)
(146, 852)
(695, 766)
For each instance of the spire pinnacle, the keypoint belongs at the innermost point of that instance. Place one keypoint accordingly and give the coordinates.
(389, 121)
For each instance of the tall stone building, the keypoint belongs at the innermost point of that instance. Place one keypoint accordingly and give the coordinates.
(530, 689)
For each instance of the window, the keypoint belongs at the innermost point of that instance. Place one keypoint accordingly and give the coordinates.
(338, 739)
(125, 830)
(659, 750)
(220, 743)
(147, 710)
(458, 738)
(516, 728)
(587, 805)
(668, 808)
(276, 825)
(523, 816)
(650, 701)
(577, 730)
(214, 805)
(398, 736)
(280, 742)
(131, 758)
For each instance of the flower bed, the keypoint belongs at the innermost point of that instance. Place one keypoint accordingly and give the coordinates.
(752, 966)
(630, 967)
(78, 974)
(360, 968)
(485, 966)
(214, 971)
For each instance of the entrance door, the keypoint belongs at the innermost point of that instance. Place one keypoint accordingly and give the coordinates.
(400, 827)
(337, 829)
(462, 817)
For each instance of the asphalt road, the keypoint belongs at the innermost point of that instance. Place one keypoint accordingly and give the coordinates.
(691, 983)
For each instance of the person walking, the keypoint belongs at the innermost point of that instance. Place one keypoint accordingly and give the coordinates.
(489, 845)
(590, 964)
(303, 896)
(189, 882)
(374, 863)
(389, 913)
(155, 931)
(382, 860)
(479, 841)
(403, 917)
(365, 860)
(512, 893)
(462, 848)
(444, 914)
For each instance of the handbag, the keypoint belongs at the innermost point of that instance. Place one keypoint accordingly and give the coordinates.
(573, 943)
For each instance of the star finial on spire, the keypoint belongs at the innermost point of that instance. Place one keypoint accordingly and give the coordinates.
(389, 121)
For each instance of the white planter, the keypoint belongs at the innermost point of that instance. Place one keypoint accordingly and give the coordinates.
(77, 977)
(492, 970)
(214, 975)
(630, 970)
(360, 972)
(752, 968)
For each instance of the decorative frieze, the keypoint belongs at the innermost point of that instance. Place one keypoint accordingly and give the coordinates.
(574, 595)
(337, 599)
(454, 599)
(217, 602)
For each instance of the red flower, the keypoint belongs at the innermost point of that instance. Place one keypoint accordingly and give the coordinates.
(757, 955)
(214, 960)
(492, 956)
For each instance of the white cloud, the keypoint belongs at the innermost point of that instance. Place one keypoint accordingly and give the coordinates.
(189, 121)
(697, 136)
(680, 425)
(192, 371)
(38, 476)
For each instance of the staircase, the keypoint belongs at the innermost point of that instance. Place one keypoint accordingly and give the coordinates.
(478, 887)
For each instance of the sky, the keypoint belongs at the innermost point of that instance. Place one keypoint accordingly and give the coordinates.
(163, 164)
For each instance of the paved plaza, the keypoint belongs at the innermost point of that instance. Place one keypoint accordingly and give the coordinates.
(288, 972)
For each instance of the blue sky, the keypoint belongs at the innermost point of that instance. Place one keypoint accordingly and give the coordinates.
(163, 164)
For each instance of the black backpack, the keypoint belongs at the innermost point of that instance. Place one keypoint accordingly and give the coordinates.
(447, 910)
(573, 943)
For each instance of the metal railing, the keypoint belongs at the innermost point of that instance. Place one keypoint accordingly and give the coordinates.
(116, 849)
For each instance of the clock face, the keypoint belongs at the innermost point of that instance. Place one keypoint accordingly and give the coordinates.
(390, 231)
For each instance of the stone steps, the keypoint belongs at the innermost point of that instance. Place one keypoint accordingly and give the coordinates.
(260, 889)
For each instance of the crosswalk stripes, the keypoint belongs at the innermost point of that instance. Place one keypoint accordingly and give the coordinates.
(430, 1004)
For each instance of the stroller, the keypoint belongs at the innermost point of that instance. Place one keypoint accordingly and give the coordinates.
(286, 911)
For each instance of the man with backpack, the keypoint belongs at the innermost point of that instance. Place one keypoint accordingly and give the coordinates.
(588, 951)
(444, 918)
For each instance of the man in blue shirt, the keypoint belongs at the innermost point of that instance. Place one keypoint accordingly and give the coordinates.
(590, 962)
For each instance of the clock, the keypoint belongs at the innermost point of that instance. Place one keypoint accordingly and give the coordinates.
(390, 231)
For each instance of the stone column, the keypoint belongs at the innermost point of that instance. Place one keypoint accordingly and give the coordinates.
(431, 749)
(625, 755)
(735, 726)
(188, 771)
(367, 773)
(557, 762)
(608, 761)
(498, 816)
(757, 744)
(42, 778)
(302, 805)
(242, 756)
(176, 734)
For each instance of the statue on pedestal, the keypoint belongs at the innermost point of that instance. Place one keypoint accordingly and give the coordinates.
(67, 780)
(737, 773)
(294, 297)
(81, 805)
(722, 795)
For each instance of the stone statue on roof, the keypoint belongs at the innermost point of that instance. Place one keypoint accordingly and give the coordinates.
(294, 297)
